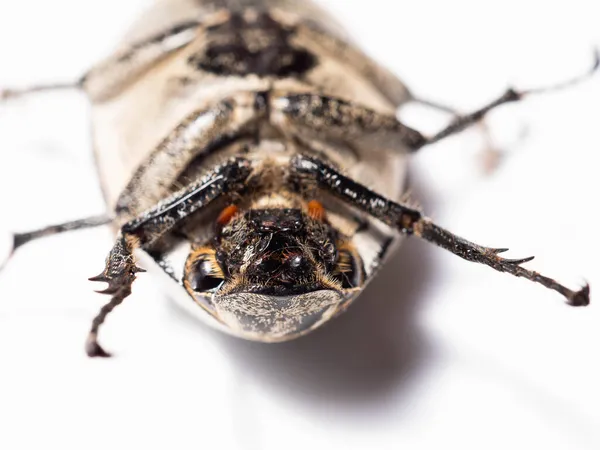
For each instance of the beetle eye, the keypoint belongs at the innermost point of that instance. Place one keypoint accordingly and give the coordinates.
(349, 269)
(203, 273)
(205, 278)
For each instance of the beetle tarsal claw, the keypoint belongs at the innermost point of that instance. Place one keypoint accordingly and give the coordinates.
(10, 94)
(493, 252)
(519, 261)
(596, 65)
(93, 349)
(5, 94)
(581, 297)
(111, 290)
(117, 283)
(102, 277)
(117, 279)
(7, 250)
(114, 283)
(120, 270)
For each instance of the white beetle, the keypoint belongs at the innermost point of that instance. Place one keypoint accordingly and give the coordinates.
(235, 140)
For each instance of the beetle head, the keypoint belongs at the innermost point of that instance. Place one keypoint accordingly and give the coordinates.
(274, 274)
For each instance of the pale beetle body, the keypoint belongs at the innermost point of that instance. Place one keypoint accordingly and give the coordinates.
(132, 116)
(251, 154)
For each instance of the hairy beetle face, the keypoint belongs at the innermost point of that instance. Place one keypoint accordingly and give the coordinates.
(273, 274)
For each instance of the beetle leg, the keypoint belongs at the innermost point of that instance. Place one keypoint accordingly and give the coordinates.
(20, 239)
(198, 135)
(490, 155)
(120, 273)
(229, 178)
(511, 95)
(333, 118)
(108, 77)
(309, 171)
(434, 105)
(120, 269)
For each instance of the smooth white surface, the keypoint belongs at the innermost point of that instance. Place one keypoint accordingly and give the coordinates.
(439, 353)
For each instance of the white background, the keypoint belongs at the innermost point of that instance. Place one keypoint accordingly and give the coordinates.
(439, 353)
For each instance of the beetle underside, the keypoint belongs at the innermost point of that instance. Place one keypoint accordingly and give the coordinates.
(248, 132)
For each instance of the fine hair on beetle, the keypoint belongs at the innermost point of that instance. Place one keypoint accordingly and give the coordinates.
(252, 153)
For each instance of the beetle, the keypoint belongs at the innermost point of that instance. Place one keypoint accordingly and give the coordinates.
(248, 150)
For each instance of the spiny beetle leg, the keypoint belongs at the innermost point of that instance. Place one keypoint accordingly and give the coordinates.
(120, 273)
(310, 171)
(426, 229)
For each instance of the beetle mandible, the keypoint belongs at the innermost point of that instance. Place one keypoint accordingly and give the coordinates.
(251, 137)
